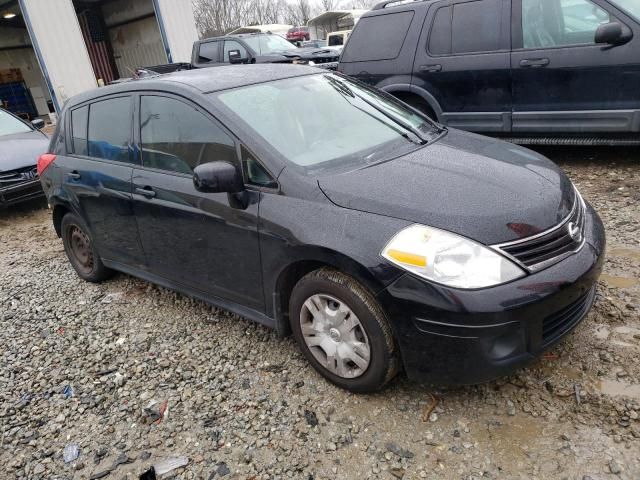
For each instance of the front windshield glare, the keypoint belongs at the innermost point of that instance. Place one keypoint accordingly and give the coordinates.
(631, 6)
(324, 121)
(265, 44)
(10, 125)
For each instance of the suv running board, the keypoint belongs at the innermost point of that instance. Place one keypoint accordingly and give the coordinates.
(590, 141)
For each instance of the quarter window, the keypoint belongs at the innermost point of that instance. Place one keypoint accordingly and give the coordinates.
(79, 120)
(110, 129)
(379, 37)
(176, 137)
(559, 23)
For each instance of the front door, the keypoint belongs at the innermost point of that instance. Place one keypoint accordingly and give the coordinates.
(462, 60)
(97, 174)
(207, 242)
(562, 80)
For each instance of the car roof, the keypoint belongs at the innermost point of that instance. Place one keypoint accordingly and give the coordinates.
(205, 80)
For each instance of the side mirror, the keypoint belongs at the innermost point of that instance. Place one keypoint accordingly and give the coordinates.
(610, 33)
(219, 176)
(38, 123)
(235, 57)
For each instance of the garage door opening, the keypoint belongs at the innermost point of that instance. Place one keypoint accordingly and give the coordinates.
(120, 35)
(23, 89)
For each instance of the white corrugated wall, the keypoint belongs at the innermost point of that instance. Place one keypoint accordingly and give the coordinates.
(178, 27)
(56, 37)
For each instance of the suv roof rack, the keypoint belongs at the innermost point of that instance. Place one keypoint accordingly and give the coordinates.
(393, 3)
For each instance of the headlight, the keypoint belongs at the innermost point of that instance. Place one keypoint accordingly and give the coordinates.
(448, 258)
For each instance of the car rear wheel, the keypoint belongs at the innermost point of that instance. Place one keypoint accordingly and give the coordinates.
(342, 331)
(81, 251)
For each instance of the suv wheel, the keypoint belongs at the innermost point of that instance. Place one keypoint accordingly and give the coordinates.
(342, 331)
(82, 253)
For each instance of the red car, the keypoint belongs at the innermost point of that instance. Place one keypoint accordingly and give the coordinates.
(298, 34)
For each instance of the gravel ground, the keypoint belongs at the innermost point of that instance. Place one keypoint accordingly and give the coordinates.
(83, 364)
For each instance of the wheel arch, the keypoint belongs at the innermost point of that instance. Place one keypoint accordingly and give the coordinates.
(311, 260)
(418, 92)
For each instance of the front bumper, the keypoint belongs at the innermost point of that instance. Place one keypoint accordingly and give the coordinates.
(20, 192)
(452, 336)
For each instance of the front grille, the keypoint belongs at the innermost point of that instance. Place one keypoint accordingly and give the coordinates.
(549, 247)
(559, 323)
(16, 177)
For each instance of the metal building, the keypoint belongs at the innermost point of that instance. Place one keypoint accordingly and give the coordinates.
(51, 50)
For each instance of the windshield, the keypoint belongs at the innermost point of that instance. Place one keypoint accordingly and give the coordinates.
(264, 44)
(631, 6)
(327, 121)
(10, 124)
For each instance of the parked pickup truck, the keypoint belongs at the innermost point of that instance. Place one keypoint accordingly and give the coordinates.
(248, 48)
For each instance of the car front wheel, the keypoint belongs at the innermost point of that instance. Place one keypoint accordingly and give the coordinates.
(342, 331)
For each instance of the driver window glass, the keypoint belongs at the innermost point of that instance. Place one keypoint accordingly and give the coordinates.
(559, 23)
(255, 172)
(233, 45)
(177, 137)
(209, 52)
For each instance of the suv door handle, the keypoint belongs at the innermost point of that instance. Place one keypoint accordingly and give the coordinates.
(74, 175)
(146, 191)
(534, 62)
(430, 68)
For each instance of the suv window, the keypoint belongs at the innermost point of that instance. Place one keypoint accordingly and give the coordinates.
(79, 120)
(110, 129)
(558, 23)
(177, 137)
(209, 52)
(468, 27)
(233, 45)
(379, 37)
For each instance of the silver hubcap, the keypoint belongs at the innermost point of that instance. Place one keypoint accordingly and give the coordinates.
(335, 336)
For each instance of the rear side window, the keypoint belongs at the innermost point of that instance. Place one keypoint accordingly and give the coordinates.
(79, 120)
(176, 137)
(110, 129)
(209, 52)
(378, 38)
(467, 28)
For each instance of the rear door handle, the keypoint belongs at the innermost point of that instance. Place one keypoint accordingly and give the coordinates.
(534, 62)
(146, 191)
(430, 68)
(74, 175)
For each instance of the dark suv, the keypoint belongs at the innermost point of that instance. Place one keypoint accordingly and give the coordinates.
(556, 68)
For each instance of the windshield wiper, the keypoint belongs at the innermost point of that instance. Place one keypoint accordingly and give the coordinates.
(407, 126)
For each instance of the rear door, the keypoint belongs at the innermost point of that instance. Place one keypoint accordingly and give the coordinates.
(97, 175)
(563, 81)
(207, 242)
(463, 61)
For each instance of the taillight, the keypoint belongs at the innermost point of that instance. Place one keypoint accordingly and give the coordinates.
(44, 161)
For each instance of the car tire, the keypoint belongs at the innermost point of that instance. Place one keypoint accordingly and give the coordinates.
(342, 331)
(81, 251)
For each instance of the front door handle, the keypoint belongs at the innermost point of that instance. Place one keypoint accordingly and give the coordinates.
(74, 175)
(534, 62)
(430, 68)
(146, 191)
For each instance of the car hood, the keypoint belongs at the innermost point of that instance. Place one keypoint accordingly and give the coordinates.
(21, 149)
(307, 53)
(482, 188)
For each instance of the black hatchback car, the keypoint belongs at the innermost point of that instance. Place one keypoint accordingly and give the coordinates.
(557, 70)
(380, 239)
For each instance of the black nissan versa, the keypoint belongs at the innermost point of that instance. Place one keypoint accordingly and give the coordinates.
(380, 239)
